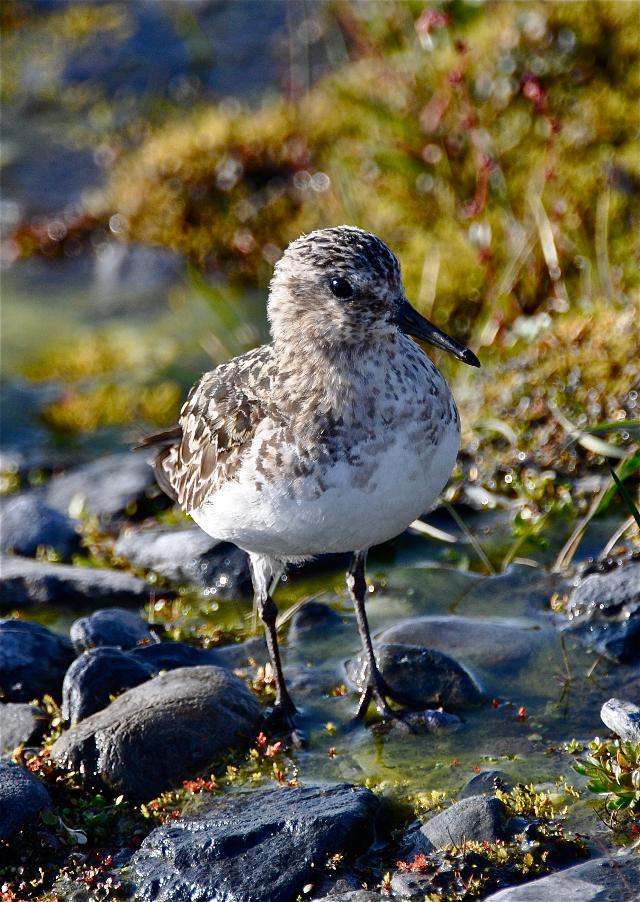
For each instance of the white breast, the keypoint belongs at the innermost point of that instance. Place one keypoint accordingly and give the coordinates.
(403, 483)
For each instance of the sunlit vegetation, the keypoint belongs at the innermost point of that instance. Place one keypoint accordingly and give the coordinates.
(493, 147)
(473, 868)
(612, 768)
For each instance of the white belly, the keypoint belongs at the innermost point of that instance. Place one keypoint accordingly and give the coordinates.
(350, 514)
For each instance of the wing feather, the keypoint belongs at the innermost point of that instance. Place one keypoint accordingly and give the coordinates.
(217, 422)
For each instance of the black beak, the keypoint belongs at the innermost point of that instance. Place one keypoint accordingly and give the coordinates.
(410, 321)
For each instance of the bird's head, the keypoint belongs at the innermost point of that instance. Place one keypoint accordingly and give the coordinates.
(342, 286)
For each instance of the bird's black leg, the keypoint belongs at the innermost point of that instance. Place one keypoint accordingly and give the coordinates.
(265, 573)
(268, 612)
(375, 686)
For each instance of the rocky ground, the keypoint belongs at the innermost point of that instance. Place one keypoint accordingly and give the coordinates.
(136, 765)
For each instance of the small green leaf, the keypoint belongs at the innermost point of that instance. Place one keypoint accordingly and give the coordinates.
(48, 817)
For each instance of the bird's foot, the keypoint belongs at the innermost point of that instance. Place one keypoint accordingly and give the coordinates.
(280, 719)
(378, 690)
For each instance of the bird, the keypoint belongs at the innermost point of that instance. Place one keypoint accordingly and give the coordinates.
(332, 437)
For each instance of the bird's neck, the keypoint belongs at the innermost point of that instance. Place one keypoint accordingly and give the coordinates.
(331, 378)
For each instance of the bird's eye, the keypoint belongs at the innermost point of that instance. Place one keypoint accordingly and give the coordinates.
(340, 287)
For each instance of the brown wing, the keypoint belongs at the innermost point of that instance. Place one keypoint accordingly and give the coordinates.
(217, 422)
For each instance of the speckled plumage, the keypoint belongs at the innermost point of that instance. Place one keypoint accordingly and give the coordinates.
(333, 437)
(315, 413)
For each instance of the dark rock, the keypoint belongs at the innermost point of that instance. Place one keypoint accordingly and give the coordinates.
(614, 879)
(104, 487)
(484, 783)
(22, 798)
(612, 591)
(28, 523)
(110, 626)
(478, 818)
(312, 618)
(623, 718)
(33, 661)
(418, 723)
(619, 641)
(188, 556)
(419, 677)
(95, 677)
(99, 674)
(25, 583)
(20, 724)
(477, 642)
(440, 720)
(161, 732)
(251, 846)
(604, 612)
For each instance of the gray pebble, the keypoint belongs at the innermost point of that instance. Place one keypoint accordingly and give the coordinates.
(623, 718)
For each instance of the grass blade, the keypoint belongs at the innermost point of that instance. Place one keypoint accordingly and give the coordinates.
(626, 497)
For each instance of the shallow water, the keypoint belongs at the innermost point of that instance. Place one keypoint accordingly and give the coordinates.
(560, 684)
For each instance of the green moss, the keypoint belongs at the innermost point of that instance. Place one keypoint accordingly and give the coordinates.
(429, 148)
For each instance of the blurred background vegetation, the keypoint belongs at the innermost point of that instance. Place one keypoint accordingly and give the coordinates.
(158, 157)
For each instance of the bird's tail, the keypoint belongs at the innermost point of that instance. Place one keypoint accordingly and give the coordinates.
(163, 443)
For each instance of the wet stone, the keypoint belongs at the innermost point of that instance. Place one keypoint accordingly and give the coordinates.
(104, 488)
(476, 818)
(188, 556)
(484, 783)
(623, 718)
(95, 677)
(27, 523)
(276, 838)
(478, 642)
(419, 677)
(26, 583)
(614, 879)
(100, 673)
(20, 724)
(33, 661)
(611, 592)
(604, 612)
(22, 798)
(162, 732)
(419, 723)
(110, 626)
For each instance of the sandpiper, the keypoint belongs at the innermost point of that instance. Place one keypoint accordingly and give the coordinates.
(333, 437)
